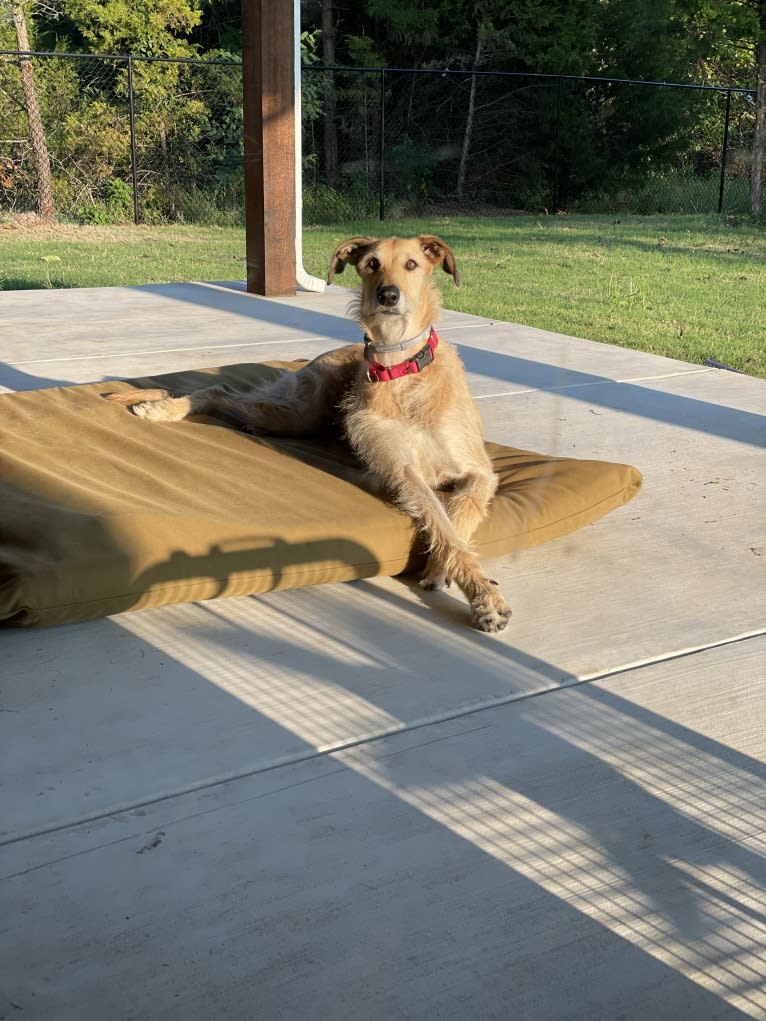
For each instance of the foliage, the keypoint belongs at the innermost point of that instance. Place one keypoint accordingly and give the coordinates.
(411, 166)
(116, 208)
(188, 118)
(724, 34)
(148, 28)
(602, 130)
(349, 201)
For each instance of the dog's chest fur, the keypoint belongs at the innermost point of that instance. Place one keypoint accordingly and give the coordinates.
(415, 419)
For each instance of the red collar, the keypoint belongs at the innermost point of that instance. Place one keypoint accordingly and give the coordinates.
(377, 373)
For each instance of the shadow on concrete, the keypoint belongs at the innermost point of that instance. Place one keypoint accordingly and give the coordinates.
(643, 402)
(430, 875)
(234, 300)
(17, 381)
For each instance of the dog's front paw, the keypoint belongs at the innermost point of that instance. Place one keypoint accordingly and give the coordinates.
(491, 613)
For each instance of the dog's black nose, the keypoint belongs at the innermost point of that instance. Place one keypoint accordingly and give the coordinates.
(388, 295)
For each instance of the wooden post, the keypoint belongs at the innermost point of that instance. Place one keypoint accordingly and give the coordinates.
(268, 38)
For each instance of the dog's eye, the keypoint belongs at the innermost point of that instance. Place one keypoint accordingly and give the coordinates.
(410, 264)
(372, 265)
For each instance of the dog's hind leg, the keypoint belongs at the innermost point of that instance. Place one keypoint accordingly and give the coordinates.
(158, 406)
(164, 409)
(136, 396)
(293, 404)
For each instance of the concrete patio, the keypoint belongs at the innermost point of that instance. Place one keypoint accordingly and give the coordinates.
(341, 802)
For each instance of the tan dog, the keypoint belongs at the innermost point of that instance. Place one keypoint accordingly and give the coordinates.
(404, 405)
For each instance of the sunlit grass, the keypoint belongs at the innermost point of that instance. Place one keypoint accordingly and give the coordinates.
(68, 255)
(689, 287)
(686, 287)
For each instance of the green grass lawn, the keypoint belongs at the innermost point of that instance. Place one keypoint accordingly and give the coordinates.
(66, 255)
(690, 287)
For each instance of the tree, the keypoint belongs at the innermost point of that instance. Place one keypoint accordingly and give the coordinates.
(38, 141)
(328, 58)
(167, 117)
(730, 37)
(759, 137)
(149, 28)
(489, 38)
(468, 133)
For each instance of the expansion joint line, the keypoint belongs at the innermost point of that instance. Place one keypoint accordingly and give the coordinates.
(335, 748)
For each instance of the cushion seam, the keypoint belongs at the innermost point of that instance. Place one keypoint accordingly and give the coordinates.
(169, 587)
(556, 521)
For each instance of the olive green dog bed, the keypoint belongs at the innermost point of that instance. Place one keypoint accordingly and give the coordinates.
(101, 512)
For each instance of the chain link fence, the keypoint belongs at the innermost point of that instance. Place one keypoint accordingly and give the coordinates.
(161, 141)
(405, 141)
(127, 138)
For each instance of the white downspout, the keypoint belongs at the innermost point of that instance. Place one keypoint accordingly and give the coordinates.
(305, 280)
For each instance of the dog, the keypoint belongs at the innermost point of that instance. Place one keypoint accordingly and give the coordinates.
(402, 399)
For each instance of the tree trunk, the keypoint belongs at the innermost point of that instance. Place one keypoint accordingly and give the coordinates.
(40, 152)
(759, 137)
(169, 190)
(463, 168)
(330, 125)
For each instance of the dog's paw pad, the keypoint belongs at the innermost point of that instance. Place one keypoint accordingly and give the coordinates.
(168, 409)
(153, 411)
(144, 410)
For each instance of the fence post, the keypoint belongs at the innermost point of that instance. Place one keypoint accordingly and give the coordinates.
(132, 115)
(555, 202)
(724, 149)
(382, 145)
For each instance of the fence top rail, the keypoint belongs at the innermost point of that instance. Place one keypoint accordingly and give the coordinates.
(443, 71)
(232, 62)
(467, 72)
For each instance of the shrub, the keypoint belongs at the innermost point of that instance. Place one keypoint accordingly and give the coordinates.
(323, 204)
(116, 208)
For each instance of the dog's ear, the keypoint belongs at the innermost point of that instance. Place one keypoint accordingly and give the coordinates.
(439, 251)
(348, 251)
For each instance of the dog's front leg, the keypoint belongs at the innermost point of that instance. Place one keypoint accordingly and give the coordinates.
(489, 610)
(450, 556)
(466, 502)
(391, 452)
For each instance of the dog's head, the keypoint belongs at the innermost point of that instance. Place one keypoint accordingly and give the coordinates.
(397, 294)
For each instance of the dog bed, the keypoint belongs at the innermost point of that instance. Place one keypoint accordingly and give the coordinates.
(101, 512)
